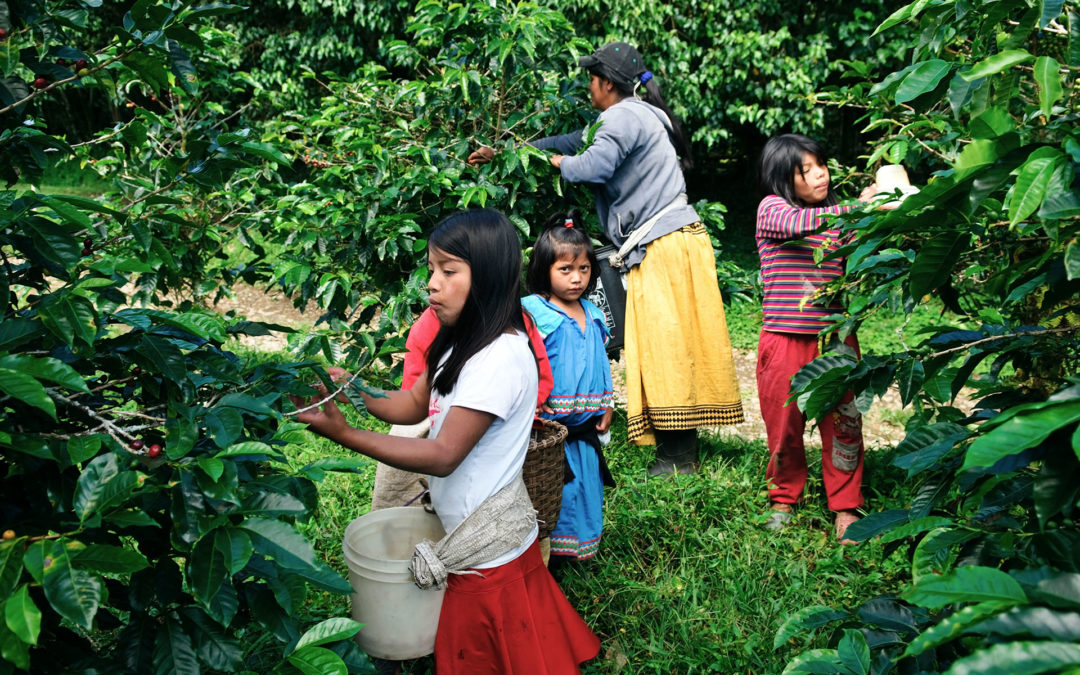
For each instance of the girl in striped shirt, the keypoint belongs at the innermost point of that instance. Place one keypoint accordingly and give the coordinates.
(794, 182)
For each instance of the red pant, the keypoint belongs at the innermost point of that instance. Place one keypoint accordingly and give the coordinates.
(780, 356)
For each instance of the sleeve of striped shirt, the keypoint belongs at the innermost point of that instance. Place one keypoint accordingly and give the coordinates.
(777, 219)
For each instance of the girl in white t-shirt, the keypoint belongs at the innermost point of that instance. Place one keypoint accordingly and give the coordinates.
(480, 392)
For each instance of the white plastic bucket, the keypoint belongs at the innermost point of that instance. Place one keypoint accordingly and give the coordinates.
(399, 619)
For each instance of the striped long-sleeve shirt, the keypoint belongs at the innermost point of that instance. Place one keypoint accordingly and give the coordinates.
(791, 279)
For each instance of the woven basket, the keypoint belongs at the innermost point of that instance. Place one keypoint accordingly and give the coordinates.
(543, 473)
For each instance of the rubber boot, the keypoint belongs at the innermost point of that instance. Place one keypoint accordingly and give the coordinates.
(676, 452)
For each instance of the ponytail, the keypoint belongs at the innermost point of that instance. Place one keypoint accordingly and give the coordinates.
(646, 88)
(653, 96)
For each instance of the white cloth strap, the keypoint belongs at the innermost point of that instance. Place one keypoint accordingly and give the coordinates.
(617, 260)
(497, 526)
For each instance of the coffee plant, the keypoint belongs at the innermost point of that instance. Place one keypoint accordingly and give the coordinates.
(985, 115)
(149, 514)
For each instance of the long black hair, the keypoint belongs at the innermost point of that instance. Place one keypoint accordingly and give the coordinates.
(486, 240)
(649, 91)
(781, 157)
(562, 234)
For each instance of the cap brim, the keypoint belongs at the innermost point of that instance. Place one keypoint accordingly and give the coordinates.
(588, 61)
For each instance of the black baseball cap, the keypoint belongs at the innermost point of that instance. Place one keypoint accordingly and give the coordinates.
(618, 60)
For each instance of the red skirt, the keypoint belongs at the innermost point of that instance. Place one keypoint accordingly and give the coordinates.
(514, 619)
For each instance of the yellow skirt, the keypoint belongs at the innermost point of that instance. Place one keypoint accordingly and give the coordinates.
(680, 373)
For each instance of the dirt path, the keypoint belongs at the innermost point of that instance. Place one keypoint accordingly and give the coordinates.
(879, 426)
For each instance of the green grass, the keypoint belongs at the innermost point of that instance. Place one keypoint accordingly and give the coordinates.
(882, 333)
(67, 178)
(686, 580)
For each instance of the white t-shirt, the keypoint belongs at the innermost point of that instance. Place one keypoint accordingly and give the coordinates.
(500, 379)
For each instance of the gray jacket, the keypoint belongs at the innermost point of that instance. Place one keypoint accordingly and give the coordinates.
(633, 169)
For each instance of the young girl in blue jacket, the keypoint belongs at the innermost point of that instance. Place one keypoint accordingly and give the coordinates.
(562, 272)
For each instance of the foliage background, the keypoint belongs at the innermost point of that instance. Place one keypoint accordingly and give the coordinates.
(317, 170)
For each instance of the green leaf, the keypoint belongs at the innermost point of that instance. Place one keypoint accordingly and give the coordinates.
(1030, 188)
(952, 626)
(818, 661)
(212, 466)
(208, 570)
(853, 652)
(90, 487)
(26, 389)
(915, 527)
(932, 553)
(108, 559)
(1020, 432)
(925, 77)
(330, 630)
(173, 651)
(966, 584)
(1051, 9)
(266, 151)
(165, 356)
(998, 62)
(245, 402)
(82, 448)
(15, 332)
(993, 122)
(281, 541)
(1061, 590)
(211, 9)
(979, 153)
(224, 425)
(46, 368)
(1056, 488)
(1019, 658)
(235, 546)
(131, 518)
(180, 437)
(909, 378)
(73, 593)
(67, 212)
(876, 523)
(11, 565)
(180, 64)
(255, 449)
(318, 661)
(219, 651)
(1049, 80)
(934, 262)
(22, 616)
(69, 317)
(14, 651)
(1037, 622)
(807, 619)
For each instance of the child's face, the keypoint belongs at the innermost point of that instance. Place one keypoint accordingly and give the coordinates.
(569, 276)
(811, 180)
(448, 285)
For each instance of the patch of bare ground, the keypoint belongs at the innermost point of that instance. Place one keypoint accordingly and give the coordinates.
(880, 424)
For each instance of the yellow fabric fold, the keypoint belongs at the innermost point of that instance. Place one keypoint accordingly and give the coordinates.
(680, 372)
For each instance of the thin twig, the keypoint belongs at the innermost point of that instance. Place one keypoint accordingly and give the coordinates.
(329, 398)
(993, 338)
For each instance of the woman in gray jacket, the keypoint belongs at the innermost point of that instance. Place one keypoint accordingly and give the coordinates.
(680, 374)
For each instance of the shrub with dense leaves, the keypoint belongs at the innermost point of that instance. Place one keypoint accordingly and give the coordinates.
(149, 514)
(986, 114)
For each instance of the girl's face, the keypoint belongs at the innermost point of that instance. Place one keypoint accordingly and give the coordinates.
(811, 180)
(569, 276)
(448, 285)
